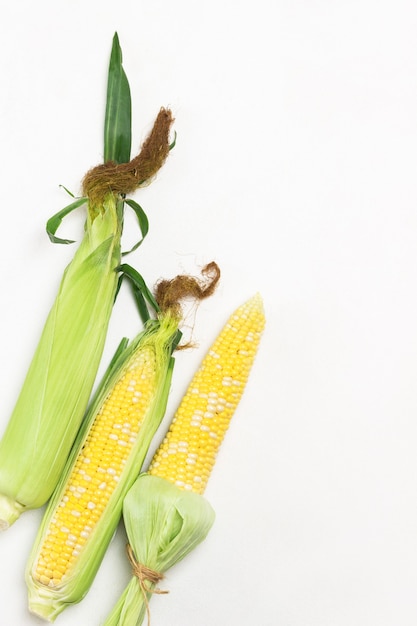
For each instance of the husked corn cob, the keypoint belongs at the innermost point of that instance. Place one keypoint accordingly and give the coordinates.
(164, 512)
(188, 452)
(86, 507)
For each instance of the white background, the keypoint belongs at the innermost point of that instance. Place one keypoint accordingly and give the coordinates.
(295, 170)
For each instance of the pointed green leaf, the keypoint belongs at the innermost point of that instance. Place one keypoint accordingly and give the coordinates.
(54, 222)
(142, 221)
(118, 117)
(138, 296)
(173, 142)
(68, 191)
(141, 291)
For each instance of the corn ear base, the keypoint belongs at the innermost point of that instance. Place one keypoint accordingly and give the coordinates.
(55, 393)
(46, 601)
(163, 524)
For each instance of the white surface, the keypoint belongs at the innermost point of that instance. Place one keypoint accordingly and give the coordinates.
(295, 169)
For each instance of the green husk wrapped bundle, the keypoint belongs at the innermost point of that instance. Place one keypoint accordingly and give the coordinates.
(163, 523)
(58, 384)
(165, 513)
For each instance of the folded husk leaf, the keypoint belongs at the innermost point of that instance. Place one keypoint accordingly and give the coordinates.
(163, 524)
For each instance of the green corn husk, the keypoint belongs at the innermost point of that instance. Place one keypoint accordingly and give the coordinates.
(48, 602)
(55, 393)
(58, 384)
(163, 524)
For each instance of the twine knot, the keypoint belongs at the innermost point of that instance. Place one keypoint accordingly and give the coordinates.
(145, 574)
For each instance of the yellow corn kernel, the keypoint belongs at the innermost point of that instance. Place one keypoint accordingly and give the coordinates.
(187, 454)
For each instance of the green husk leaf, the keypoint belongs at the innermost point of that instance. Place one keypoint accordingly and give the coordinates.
(173, 142)
(55, 221)
(104, 382)
(67, 191)
(142, 221)
(118, 116)
(163, 523)
(140, 289)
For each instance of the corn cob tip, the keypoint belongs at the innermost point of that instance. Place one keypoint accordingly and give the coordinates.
(10, 511)
(256, 302)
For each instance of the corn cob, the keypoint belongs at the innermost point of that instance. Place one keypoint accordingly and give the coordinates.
(86, 506)
(164, 512)
(84, 511)
(58, 384)
(188, 452)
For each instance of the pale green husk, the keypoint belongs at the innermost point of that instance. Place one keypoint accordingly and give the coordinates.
(55, 393)
(48, 602)
(163, 524)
